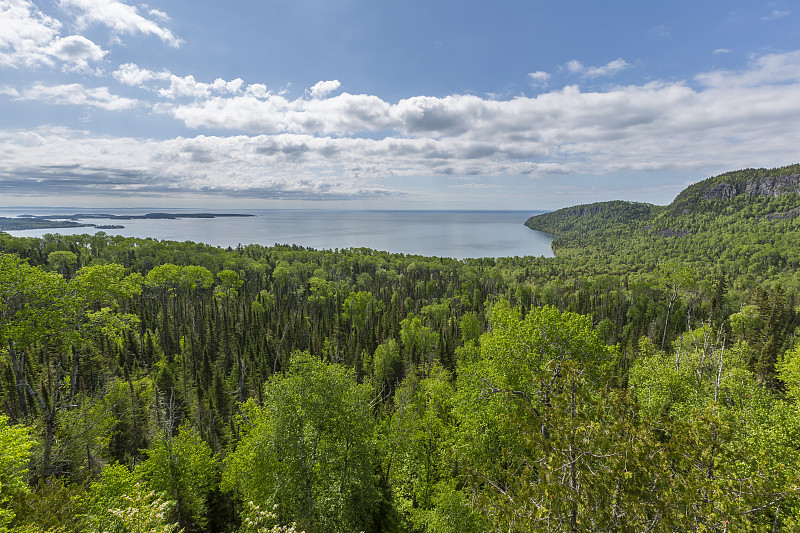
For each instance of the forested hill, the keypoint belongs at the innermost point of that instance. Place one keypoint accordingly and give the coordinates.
(740, 187)
(599, 215)
(728, 192)
(745, 220)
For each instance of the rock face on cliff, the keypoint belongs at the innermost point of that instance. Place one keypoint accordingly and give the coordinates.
(720, 191)
(761, 182)
(773, 186)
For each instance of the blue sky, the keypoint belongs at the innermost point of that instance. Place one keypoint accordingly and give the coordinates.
(376, 104)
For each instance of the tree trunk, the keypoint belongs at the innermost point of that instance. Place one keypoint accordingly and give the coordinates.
(18, 367)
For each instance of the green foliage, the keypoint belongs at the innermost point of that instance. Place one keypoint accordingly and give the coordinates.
(745, 220)
(416, 455)
(229, 283)
(308, 449)
(53, 507)
(32, 305)
(470, 328)
(15, 445)
(257, 520)
(62, 261)
(357, 307)
(83, 434)
(120, 503)
(184, 469)
(420, 342)
(726, 435)
(385, 364)
(789, 372)
(532, 433)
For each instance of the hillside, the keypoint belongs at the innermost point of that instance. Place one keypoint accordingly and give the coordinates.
(747, 184)
(743, 221)
(592, 216)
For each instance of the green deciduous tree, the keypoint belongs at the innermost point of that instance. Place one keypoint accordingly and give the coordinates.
(536, 439)
(308, 449)
(416, 458)
(121, 503)
(15, 445)
(184, 468)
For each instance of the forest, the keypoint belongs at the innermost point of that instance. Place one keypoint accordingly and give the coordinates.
(644, 379)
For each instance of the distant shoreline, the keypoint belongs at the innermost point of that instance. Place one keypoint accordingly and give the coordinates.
(156, 216)
(26, 222)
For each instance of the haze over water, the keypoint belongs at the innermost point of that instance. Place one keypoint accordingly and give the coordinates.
(457, 234)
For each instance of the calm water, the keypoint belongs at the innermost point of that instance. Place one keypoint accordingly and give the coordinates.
(458, 234)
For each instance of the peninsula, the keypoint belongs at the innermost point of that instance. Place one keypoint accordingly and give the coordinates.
(26, 222)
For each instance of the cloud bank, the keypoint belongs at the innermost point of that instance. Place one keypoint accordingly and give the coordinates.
(248, 139)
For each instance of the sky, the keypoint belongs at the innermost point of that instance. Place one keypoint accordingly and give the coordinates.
(371, 104)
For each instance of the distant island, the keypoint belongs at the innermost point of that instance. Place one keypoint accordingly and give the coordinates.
(17, 224)
(26, 222)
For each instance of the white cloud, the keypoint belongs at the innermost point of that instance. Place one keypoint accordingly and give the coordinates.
(155, 13)
(539, 78)
(274, 113)
(132, 74)
(761, 70)
(24, 32)
(122, 18)
(30, 38)
(609, 69)
(77, 50)
(188, 87)
(575, 66)
(75, 94)
(262, 166)
(258, 90)
(10, 91)
(324, 88)
(721, 51)
(653, 126)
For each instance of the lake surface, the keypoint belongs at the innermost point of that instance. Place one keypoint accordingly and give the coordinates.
(457, 234)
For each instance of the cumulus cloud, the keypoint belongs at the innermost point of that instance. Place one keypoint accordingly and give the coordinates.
(324, 88)
(609, 69)
(75, 94)
(652, 126)
(539, 78)
(133, 75)
(30, 38)
(77, 50)
(121, 18)
(761, 70)
(274, 113)
(188, 87)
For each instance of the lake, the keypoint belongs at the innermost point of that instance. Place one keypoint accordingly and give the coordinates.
(457, 234)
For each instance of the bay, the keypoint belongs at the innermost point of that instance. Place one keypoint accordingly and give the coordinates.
(456, 234)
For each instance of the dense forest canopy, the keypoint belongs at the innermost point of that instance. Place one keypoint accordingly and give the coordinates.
(646, 378)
